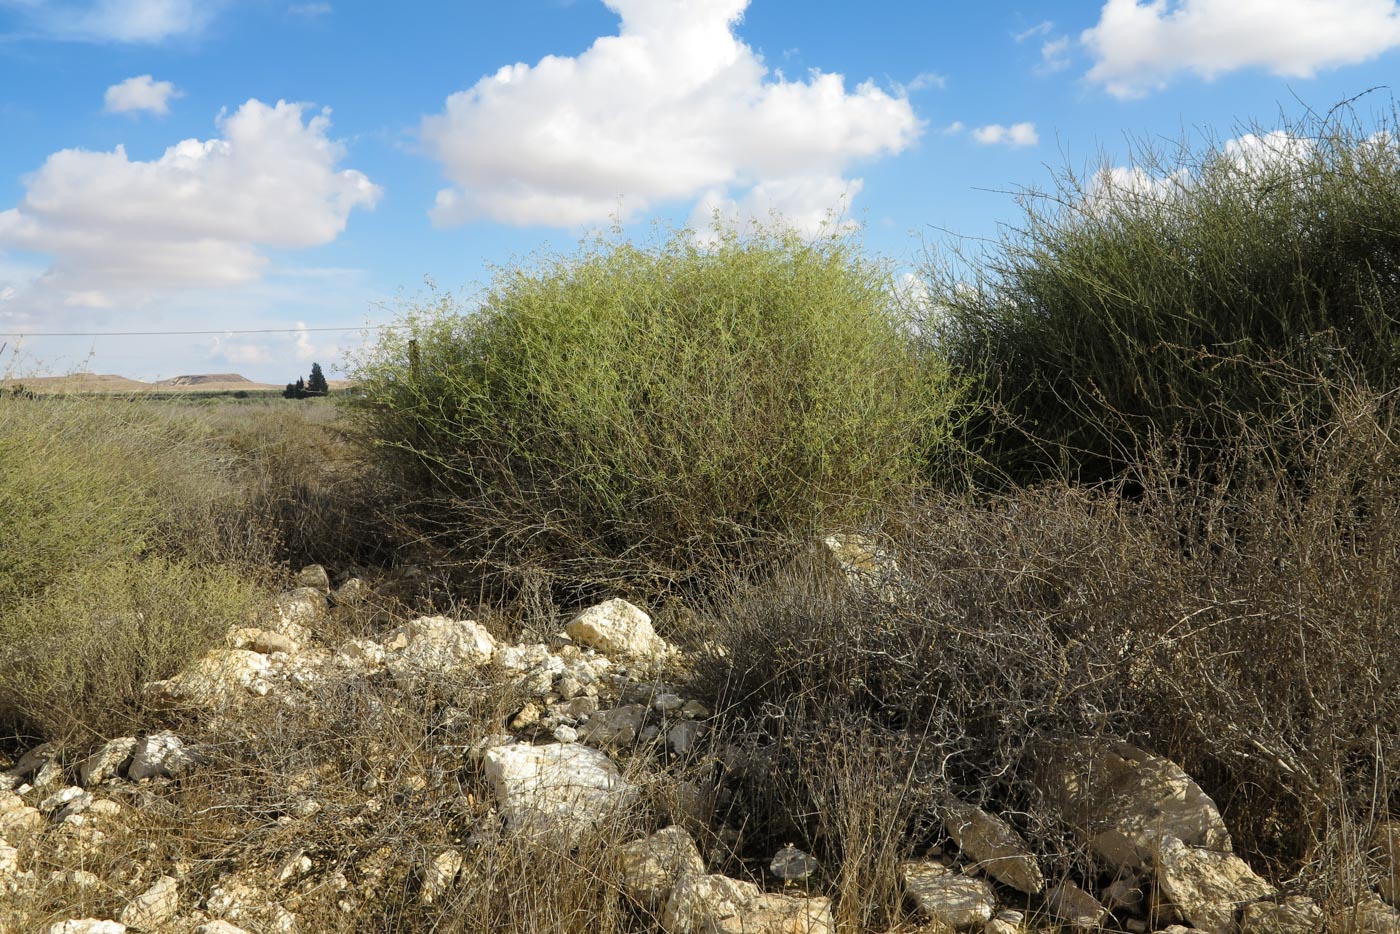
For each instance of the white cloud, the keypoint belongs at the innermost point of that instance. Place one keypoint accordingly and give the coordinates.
(1039, 29)
(140, 93)
(927, 79)
(812, 204)
(1054, 54)
(954, 128)
(1139, 46)
(134, 21)
(1018, 134)
(673, 107)
(120, 231)
(309, 10)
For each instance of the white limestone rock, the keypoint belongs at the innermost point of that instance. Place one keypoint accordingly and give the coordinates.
(1206, 887)
(558, 790)
(947, 897)
(222, 678)
(108, 762)
(436, 645)
(1295, 915)
(153, 908)
(716, 904)
(161, 755)
(1123, 800)
(618, 628)
(439, 873)
(999, 851)
(651, 867)
(1074, 907)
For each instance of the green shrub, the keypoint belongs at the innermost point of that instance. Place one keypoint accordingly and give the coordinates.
(125, 546)
(643, 413)
(73, 660)
(1223, 283)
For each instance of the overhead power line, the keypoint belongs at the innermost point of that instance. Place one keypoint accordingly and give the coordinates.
(356, 327)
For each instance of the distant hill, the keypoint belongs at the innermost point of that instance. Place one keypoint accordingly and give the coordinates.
(107, 382)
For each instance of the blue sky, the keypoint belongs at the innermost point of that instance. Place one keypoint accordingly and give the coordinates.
(184, 165)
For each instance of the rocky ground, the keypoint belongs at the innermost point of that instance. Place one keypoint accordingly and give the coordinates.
(303, 781)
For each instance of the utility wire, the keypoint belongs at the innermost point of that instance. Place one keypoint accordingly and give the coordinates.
(357, 327)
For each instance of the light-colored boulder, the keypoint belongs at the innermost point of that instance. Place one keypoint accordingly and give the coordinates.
(220, 678)
(360, 655)
(161, 755)
(1206, 887)
(86, 926)
(436, 644)
(17, 819)
(313, 576)
(1124, 894)
(716, 904)
(681, 738)
(1074, 907)
(617, 727)
(33, 759)
(1369, 916)
(108, 762)
(866, 566)
(947, 897)
(999, 851)
(792, 865)
(558, 790)
(1294, 915)
(296, 610)
(9, 859)
(153, 908)
(219, 927)
(352, 592)
(617, 628)
(59, 798)
(1122, 800)
(1385, 851)
(438, 875)
(651, 867)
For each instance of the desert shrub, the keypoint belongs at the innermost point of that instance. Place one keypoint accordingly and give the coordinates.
(640, 413)
(1247, 630)
(1182, 296)
(305, 487)
(85, 482)
(73, 660)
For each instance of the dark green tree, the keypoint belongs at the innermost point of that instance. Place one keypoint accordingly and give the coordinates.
(317, 385)
(290, 392)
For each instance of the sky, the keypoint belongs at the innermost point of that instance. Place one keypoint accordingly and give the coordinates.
(315, 167)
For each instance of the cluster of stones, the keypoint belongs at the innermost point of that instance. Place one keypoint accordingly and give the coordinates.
(1164, 851)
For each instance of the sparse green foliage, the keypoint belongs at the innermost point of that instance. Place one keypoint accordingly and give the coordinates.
(643, 413)
(1219, 285)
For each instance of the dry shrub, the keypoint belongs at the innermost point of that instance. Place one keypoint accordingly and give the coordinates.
(1246, 628)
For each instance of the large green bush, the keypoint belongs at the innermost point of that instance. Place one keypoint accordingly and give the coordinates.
(124, 550)
(1223, 283)
(643, 412)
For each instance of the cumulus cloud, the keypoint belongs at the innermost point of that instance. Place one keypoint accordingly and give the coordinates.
(131, 21)
(140, 93)
(1018, 134)
(1139, 46)
(120, 231)
(673, 107)
(309, 10)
